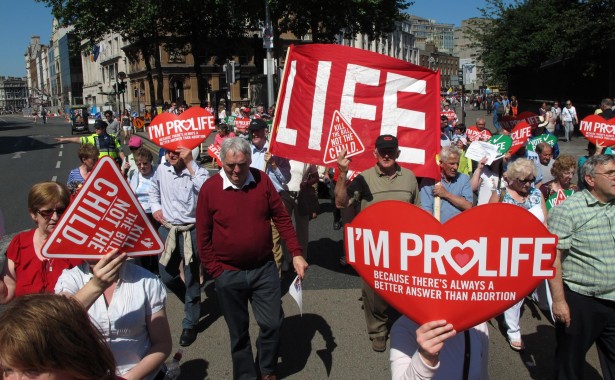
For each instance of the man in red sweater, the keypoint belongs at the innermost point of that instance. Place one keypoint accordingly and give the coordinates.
(233, 219)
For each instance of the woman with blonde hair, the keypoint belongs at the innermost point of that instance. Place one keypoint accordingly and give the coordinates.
(46, 336)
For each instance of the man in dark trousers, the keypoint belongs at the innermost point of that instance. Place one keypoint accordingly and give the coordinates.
(233, 218)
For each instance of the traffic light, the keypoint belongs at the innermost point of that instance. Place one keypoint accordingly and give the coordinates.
(236, 71)
(228, 71)
(122, 87)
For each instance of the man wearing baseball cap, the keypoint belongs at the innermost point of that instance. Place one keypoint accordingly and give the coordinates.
(385, 181)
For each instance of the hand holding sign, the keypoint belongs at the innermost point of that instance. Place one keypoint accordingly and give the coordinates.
(107, 269)
(597, 130)
(431, 271)
(431, 338)
(342, 162)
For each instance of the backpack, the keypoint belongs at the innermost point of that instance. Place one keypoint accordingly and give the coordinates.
(500, 109)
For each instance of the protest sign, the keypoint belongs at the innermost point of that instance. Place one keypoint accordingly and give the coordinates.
(545, 137)
(502, 142)
(242, 124)
(187, 130)
(214, 152)
(519, 135)
(373, 93)
(557, 198)
(104, 215)
(474, 134)
(341, 136)
(597, 130)
(509, 122)
(430, 271)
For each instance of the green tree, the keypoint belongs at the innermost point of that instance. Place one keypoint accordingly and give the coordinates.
(522, 35)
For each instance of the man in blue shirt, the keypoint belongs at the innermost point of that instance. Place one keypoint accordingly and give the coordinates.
(453, 189)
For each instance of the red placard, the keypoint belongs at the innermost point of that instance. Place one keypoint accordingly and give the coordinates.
(374, 93)
(430, 271)
(104, 215)
(598, 130)
(342, 136)
(519, 135)
(529, 117)
(242, 124)
(187, 130)
(214, 151)
(476, 135)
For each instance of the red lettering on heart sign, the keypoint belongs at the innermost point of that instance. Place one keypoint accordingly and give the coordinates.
(187, 130)
(463, 275)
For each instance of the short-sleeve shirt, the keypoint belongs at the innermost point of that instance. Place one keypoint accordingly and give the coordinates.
(584, 227)
(460, 185)
(374, 186)
(138, 295)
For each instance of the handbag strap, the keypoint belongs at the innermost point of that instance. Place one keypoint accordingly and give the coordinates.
(467, 354)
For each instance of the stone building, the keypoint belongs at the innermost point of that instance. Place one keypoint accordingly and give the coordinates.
(13, 94)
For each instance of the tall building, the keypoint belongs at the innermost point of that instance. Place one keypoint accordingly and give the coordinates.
(425, 31)
(468, 50)
(37, 73)
(400, 43)
(13, 94)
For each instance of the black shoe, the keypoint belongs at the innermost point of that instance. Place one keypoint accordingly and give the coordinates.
(337, 225)
(187, 338)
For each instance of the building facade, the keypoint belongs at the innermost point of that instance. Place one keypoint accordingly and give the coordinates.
(429, 31)
(468, 51)
(13, 94)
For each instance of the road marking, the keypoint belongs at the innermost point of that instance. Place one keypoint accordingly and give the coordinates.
(58, 164)
(18, 154)
(54, 178)
(60, 154)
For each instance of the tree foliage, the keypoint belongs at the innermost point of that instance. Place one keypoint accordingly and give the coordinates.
(523, 35)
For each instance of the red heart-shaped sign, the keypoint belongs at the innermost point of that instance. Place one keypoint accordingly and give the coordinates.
(597, 130)
(430, 271)
(529, 117)
(187, 130)
(519, 135)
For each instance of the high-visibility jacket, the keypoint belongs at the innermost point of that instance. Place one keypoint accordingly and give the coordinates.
(107, 144)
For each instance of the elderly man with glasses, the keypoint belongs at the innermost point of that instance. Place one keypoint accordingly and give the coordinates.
(583, 288)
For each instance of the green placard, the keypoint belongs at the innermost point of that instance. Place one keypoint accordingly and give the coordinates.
(503, 143)
(545, 137)
(558, 197)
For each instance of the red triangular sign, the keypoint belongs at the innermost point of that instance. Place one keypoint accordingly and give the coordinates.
(104, 215)
(560, 197)
(341, 135)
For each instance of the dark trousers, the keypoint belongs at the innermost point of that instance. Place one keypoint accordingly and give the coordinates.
(375, 309)
(189, 290)
(260, 286)
(592, 320)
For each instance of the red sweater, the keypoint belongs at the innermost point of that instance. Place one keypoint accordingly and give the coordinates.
(233, 227)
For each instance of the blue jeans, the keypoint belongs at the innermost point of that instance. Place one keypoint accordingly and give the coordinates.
(260, 286)
(189, 290)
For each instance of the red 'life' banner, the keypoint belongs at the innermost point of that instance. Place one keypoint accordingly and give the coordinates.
(334, 97)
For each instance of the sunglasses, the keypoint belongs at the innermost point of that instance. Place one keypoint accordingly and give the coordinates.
(526, 181)
(48, 213)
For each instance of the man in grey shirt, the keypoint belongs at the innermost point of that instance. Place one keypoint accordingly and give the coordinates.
(113, 126)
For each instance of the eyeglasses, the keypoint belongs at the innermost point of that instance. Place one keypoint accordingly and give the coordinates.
(48, 213)
(526, 181)
(609, 175)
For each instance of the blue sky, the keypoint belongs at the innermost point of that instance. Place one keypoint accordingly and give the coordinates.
(21, 19)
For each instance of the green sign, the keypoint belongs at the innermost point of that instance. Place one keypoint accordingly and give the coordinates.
(545, 137)
(558, 197)
(503, 143)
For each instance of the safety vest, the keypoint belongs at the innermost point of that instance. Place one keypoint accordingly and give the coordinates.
(106, 147)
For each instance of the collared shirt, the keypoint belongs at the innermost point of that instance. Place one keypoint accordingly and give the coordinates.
(372, 186)
(460, 185)
(586, 232)
(176, 194)
(280, 175)
(227, 184)
(138, 295)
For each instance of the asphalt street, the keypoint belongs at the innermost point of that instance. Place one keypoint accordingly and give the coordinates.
(329, 340)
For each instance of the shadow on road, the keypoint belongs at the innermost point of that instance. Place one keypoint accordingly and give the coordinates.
(296, 338)
(191, 368)
(210, 308)
(13, 144)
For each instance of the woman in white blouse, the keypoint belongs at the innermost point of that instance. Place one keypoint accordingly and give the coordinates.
(127, 304)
